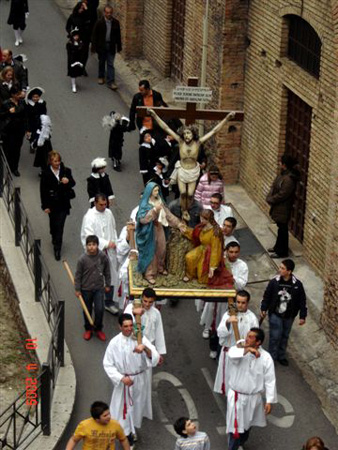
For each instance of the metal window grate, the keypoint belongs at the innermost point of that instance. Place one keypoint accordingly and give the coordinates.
(297, 144)
(177, 40)
(304, 45)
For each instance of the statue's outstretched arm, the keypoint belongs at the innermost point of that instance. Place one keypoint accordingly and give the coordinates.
(218, 127)
(163, 125)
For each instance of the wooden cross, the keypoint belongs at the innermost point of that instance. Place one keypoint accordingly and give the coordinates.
(191, 113)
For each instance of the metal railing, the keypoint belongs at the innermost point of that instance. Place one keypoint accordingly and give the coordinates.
(21, 423)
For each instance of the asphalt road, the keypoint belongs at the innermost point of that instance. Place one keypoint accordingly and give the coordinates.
(182, 386)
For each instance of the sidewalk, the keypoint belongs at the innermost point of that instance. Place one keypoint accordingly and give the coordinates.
(309, 347)
(36, 325)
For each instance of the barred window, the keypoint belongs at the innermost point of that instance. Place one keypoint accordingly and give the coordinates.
(304, 45)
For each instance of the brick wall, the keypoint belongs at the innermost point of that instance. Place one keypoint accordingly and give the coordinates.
(329, 317)
(268, 74)
(130, 13)
(225, 71)
(157, 34)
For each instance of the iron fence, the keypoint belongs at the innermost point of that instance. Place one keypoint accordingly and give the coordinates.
(21, 423)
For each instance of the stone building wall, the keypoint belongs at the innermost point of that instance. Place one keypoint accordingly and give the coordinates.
(329, 317)
(269, 73)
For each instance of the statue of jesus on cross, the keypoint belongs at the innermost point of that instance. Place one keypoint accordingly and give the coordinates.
(187, 169)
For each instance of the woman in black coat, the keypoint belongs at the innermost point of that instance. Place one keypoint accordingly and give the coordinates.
(17, 18)
(12, 120)
(80, 20)
(76, 57)
(56, 191)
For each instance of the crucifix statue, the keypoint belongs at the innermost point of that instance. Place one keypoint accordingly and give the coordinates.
(187, 170)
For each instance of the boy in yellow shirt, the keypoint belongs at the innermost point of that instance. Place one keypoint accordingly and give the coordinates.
(99, 432)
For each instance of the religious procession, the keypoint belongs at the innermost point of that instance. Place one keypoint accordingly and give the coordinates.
(185, 287)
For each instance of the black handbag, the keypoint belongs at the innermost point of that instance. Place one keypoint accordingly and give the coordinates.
(70, 194)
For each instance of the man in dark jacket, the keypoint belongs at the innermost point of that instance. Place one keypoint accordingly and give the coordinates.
(283, 298)
(280, 198)
(106, 42)
(145, 97)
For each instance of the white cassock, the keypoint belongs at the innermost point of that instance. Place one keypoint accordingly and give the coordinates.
(251, 378)
(102, 224)
(225, 333)
(122, 252)
(151, 320)
(240, 272)
(130, 404)
(223, 213)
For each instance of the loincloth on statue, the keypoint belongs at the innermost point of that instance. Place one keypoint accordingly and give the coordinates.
(185, 175)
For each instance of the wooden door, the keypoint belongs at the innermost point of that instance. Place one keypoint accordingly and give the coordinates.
(298, 136)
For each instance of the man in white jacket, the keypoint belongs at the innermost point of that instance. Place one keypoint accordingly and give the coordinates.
(99, 221)
(245, 320)
(251, 375)
(126, 363)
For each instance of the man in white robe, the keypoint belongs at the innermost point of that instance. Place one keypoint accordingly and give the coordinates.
(251, 375)
(221, 212)
(124, 251)
(100, 221)
(245, 320)
(126, 364)
(239, 269)
(228, 227)
(151, 320)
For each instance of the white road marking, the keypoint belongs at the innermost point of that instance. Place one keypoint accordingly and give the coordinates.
(192, 411)
(218, 398)
(287, 420)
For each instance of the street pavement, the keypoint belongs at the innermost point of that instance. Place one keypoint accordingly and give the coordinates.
(183, 385)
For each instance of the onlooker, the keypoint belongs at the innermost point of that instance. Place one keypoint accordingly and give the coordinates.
(20, 71)
(190, 439)
(209, 184)
(98, 182)
(13, 121)
(80, 20)
(56, 191)
(106, 42)
(221, 212)
(91, 277)
(280, 198)
(76, 57)
(284, 298)
(17, 17)
(100, 431)
(145, 97)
